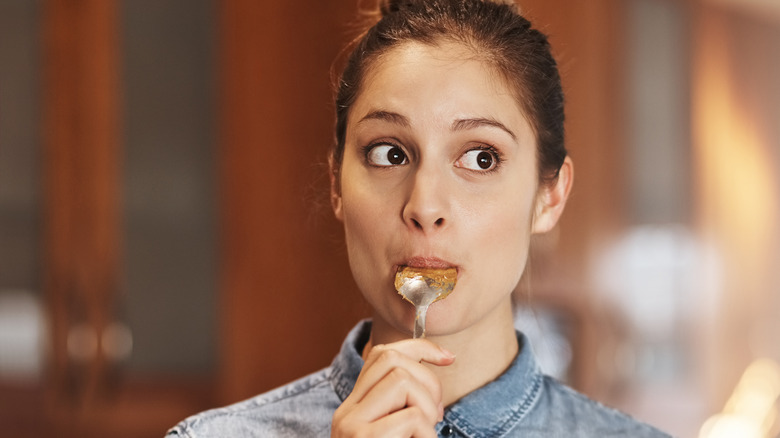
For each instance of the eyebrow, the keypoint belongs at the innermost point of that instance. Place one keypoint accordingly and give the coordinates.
(457, 125)
(387, 116)
(465, 124)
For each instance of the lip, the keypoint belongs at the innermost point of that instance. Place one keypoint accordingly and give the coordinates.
(428, 263)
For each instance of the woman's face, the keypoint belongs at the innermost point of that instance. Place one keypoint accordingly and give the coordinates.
(439, 170)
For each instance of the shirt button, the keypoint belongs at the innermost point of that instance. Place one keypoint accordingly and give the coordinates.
(447, 430)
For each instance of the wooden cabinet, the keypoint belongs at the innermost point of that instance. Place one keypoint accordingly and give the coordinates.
(182, 186)
(111, 367)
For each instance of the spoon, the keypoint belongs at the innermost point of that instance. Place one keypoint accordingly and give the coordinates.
(423, 287)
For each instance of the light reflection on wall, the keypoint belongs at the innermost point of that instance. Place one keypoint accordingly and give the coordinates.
(22, 335)
(650, 275)
(735, 165)
(737, 197)
(752, 410)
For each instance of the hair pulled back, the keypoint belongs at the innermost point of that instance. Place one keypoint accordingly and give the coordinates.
(496, 33)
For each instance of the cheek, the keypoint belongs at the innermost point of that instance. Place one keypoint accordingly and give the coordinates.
(509, 238)
(363, 212)
(500, 238)
(361, 222)
(365, 218)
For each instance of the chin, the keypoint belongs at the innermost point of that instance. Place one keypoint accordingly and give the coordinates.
(444, 319)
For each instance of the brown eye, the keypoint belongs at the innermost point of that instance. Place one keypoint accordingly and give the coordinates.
(386, 155)
(478, 159)
(395, 156)
(484, 160)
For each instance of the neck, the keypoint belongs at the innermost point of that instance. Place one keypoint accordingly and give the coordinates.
(483, 352)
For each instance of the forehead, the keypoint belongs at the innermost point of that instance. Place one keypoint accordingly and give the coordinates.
(444, 78)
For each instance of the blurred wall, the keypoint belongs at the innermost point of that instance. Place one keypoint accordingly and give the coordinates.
(736, 140)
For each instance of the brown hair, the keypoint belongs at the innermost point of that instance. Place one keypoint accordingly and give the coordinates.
(495, 32)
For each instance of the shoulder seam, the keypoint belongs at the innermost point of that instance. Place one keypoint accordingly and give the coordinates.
(292, 389)
(289, 390)
(636, 424)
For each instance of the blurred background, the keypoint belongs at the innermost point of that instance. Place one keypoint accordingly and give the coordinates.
(166, 243)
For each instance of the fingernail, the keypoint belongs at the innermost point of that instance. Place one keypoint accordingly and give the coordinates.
(447, 353)
(441, 412)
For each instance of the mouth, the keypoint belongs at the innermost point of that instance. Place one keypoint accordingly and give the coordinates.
(424, 281)
(427, 263)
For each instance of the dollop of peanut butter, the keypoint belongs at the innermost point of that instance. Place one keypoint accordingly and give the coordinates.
(441, 280)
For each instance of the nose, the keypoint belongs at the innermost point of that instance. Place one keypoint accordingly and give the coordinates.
(427, 207)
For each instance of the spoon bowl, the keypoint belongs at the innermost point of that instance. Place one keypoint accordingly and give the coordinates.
(423, 287)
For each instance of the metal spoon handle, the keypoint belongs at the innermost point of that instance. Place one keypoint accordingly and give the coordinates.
(419, 322)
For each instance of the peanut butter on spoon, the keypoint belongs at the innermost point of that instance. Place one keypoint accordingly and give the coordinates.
(423, 287)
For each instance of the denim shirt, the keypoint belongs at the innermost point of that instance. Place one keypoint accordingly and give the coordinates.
(522, 402)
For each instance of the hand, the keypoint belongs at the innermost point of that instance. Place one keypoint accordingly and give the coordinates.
(395, 394)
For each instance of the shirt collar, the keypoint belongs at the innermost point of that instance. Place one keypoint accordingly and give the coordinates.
(494, 409)
(489, 411)
(347, 365)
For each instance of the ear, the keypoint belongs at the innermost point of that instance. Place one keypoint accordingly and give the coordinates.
(551, 199)
(335, 189)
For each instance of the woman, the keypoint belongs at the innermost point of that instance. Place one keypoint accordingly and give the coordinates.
(449, 154)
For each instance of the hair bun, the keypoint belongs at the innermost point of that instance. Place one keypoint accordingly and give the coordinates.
(387, 7)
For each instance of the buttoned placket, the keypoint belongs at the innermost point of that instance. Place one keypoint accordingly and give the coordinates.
(447, 431)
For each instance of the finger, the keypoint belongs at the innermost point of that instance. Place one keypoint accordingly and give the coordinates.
(409, 422)
(383, 359)
(392, 365)
(398, 390)
(404, 353)
(419, 350)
